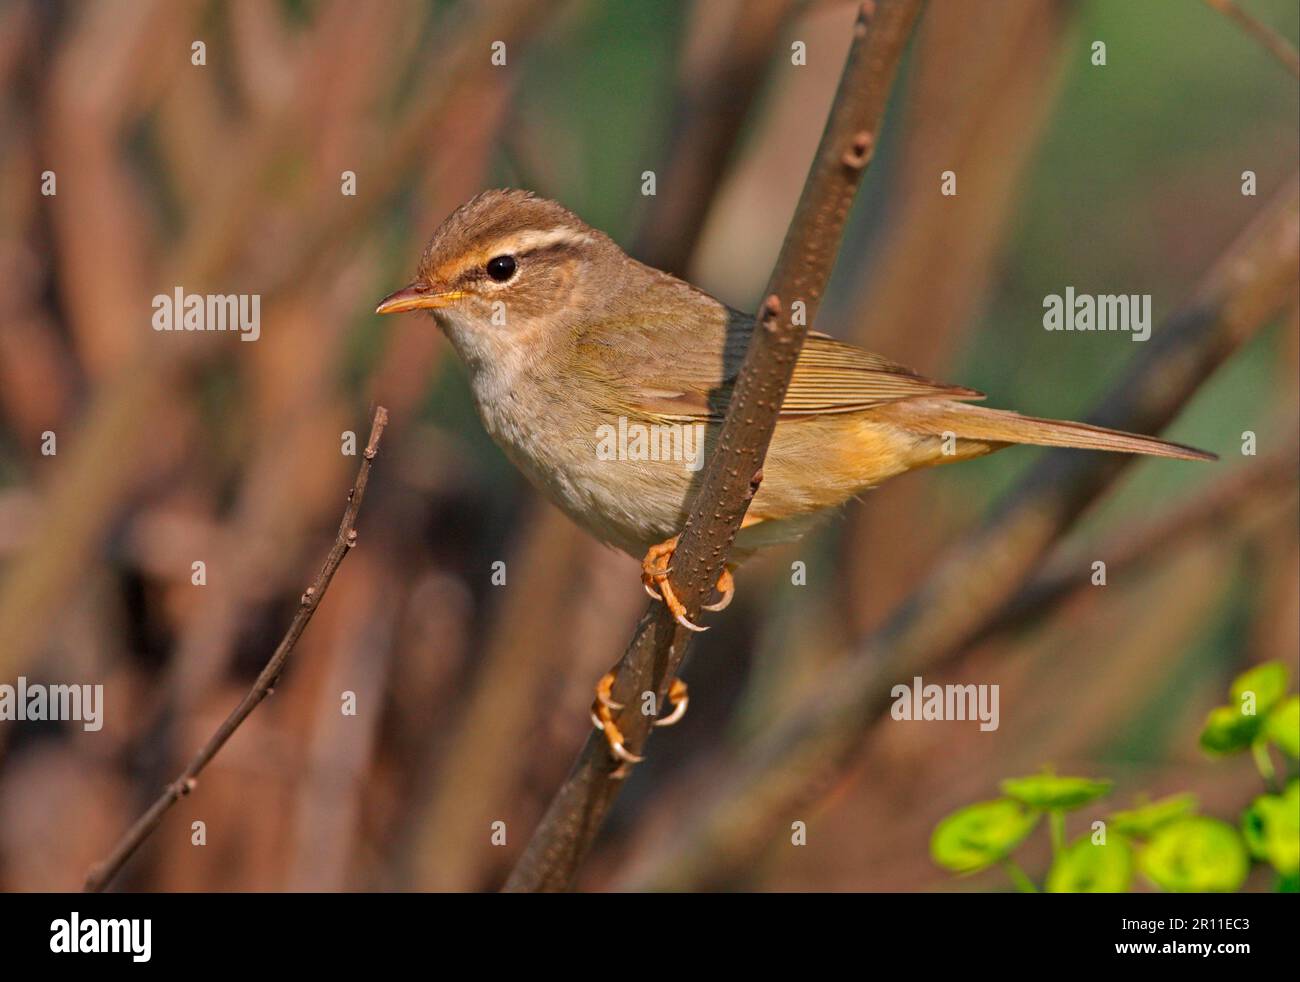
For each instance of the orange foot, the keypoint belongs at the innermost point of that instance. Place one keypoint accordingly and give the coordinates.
(602, 717)
(654, 576)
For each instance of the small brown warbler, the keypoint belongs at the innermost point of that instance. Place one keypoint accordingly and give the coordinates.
(604, 381)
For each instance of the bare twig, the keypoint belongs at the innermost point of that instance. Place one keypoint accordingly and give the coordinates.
(658, 647)
(792, 763)
(102, 873)
(1273, 42)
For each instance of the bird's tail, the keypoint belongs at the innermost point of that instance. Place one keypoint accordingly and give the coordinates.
(999, 426)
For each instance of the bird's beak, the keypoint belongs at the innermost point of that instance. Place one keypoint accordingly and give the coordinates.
(417, 296)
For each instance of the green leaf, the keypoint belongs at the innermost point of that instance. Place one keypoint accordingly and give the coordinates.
(1228, 731)
(979, 835)
(1083, 867)
(1267, 683)
(1271, 826)
(1049, 791)
(1196, 855)
(1283, 726)
(1142, 822)
(1289, 884)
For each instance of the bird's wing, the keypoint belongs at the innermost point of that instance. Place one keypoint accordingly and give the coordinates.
(694, 381)
(834, 377)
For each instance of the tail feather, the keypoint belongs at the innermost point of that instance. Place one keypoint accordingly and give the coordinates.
(1003, 426)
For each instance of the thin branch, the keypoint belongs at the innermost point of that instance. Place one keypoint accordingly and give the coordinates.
(734, 471)
(1262, 483)
(1271, 40)
(103, 872)
(791, 764)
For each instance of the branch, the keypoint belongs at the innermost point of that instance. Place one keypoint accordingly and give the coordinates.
(103, 872)
(658, 647)
(793, 763)
(1223, 503)
(1271, 40)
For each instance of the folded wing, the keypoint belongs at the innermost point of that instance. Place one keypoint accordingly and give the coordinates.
(830, 377)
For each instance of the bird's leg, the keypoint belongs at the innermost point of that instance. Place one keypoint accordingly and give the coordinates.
(654, 576)
(655, 564)
(602, 717)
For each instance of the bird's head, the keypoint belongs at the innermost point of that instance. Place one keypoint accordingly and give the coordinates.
(506, 269)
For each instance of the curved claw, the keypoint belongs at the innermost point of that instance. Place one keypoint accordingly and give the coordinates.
(727, 587)
(602, 710)
(604, 688)
(615, 740)
(678, 609)
(602, 719)
(678, 712)
(689, 624)
(678, 697)
(623, 754)
(655, 568)
(654, 577)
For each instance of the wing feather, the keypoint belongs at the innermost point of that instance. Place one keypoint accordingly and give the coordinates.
(695, 384)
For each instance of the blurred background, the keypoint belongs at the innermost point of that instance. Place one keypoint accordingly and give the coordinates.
(227, 177)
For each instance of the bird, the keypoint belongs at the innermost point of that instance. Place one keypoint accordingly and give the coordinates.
(604, 380)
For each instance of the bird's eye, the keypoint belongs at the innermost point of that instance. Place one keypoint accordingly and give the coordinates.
(501, 268)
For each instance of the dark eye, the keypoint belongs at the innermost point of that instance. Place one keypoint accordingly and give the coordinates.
(501, 268)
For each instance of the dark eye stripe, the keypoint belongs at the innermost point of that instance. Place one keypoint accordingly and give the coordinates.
(477, 272)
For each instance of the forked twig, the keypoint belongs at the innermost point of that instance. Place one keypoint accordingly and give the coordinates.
(102, 873)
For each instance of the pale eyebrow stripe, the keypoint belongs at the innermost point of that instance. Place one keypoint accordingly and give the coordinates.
(533, 240)
(524, 243)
